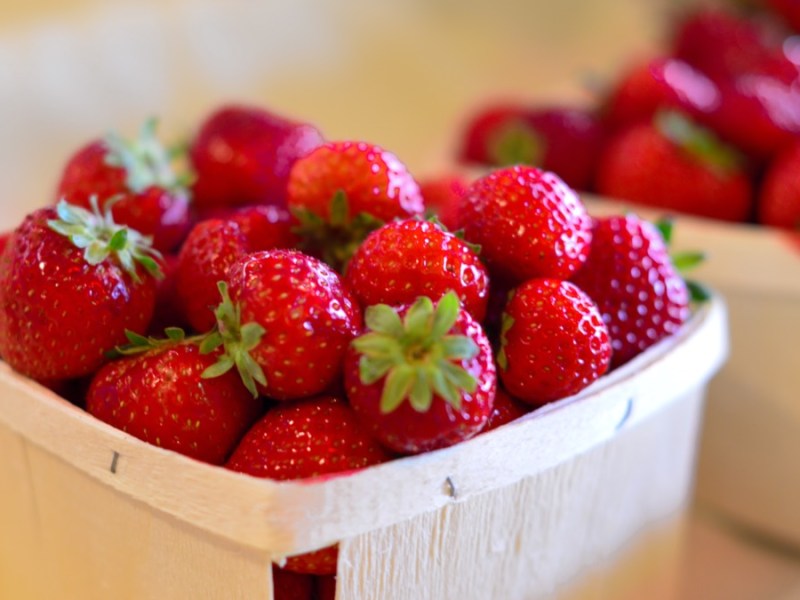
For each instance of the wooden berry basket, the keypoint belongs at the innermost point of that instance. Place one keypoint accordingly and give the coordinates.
(547, 505)
(750, 452)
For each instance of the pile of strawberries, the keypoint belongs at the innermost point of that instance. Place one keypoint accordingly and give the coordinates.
(286, 308)
(711, 127)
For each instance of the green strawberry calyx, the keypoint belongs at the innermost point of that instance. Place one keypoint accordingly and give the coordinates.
(145, 160)
(698, 141)
(338, 237)
(138, 343)
(515, 142)
(417, 355)
(237, 341)
(684, 261)
(433, 218)
(100, 238)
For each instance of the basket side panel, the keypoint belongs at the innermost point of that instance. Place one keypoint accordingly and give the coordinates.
(90, 542)
(533, 539)
(20, 543)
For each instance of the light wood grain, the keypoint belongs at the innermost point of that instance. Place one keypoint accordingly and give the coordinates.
(750, 452)
(158, 519)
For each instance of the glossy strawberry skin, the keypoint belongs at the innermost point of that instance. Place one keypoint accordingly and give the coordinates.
(265, 227)
(243, 155)
(643, 166)
(161, 398)
(528, 223)
(156, 212)
(560, 139)
(630, 277)
(442, 197)
(59, 315)
(407, 259)
(779, 197)
(308, 438)
(407, 431)
(208, 252)
(307, 312)
(373, 179)
(658, 84)
(554, 342)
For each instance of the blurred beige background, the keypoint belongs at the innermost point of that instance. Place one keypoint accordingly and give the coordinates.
(401, 74)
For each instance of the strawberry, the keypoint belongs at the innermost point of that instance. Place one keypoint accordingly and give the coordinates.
(71, 283)
(214, 245)
(343, 190)
(528, 222)
(658, 84)
(442, 198)
(406, 259)
(285, 322)
(4, 239)
(299, 440)
(208, 252)
(243, 155)
(676, 165)
(160, 395)
(287, 585)
(560, 139)
(137, 176)
(779, 198)
(421, 377)
(554, 342)
(630, 276)
(506, 409)
(265, 227)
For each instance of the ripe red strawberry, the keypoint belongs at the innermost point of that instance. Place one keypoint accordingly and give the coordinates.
(309, 438)
(554, 342)
(788, 10)
(421, 378)
(161, 396)
(287, 585)
(676, 165)
(779, 199)
(243, 155)
(343, 190)
(4, 239)
(285, 321)
(265, 227)
(168, 311)
(506, 409)
(214, 245)
(528, 222)
(564, 140)
(208, 252)
(630, 276)
(442, 198)
(658, 84)
(137, 176)
(71, 283)
(406, 259)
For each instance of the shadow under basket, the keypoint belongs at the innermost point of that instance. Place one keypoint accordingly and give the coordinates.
(559, 503)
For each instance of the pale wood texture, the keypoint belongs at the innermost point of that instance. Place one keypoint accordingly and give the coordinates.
(750, 452)
(159, 521)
